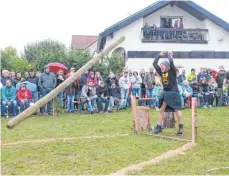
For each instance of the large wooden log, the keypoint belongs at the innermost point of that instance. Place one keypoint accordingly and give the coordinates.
(32, 109)
(140, 116)
(169, 120)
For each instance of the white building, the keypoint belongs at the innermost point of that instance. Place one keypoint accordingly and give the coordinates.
(202, 42)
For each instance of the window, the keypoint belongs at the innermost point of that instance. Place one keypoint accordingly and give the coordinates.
(169, 21)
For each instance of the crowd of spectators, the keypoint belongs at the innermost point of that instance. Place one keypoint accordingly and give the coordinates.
(94, 93)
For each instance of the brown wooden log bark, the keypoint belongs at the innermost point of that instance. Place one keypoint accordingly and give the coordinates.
(194, 120)
(22, 116)
(134, 112)
(169, 120)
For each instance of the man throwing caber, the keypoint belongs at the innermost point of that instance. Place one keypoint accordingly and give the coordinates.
(170, 99)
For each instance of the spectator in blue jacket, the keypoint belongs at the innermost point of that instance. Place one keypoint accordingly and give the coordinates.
(157, 91)
(187, 91)
(9, 95)
(47, 82)
(180, 78)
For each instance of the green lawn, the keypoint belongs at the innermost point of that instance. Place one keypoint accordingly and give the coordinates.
(108, 155)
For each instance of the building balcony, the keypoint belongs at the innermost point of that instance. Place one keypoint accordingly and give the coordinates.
(171, 35)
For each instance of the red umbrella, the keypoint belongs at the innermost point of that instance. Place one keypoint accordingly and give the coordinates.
(55, 67)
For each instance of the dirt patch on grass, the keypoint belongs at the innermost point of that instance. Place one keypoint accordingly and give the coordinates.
(62, 139)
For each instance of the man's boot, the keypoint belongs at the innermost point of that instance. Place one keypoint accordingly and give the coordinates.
(157, 129)
(180, 129)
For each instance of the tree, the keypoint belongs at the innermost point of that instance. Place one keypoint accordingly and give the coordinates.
(11, 61)
(77, 59)
(43, 52)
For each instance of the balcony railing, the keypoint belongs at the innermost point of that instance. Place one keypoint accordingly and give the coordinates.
(171, 35)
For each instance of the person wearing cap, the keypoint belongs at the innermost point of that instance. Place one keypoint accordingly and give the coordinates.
(103, 95)
(23, 96)
(9, 95)
(124, 84)
(157, 92)
(47, 82)
(187, 93)
(219, 80)
(192, 75)
(170, 99)
(149, 82)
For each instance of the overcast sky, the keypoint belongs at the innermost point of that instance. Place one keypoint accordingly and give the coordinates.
(24, 21)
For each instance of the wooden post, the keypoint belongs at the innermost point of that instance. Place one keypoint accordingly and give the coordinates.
(22, 116)
(194, 120)
(134, 111)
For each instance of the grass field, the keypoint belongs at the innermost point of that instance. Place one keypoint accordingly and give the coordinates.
(111, 153)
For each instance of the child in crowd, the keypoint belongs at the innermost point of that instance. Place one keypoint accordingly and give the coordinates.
(157, 91)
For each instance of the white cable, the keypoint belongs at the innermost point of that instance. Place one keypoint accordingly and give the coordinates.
(216, 169)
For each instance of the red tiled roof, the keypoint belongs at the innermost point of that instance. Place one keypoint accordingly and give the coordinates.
(82, 41)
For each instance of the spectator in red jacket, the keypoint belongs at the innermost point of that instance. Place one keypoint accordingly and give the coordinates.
(23, 96)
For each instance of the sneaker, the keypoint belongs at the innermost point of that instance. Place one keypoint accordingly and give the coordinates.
(205, 107)
(210, 106)
(101, 112)
(180, 129)
(157, 129)
(157, 109)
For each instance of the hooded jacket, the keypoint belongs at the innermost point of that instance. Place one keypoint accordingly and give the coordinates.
(9, 93)
(23, 94)
(47, 81)
(124, 82)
